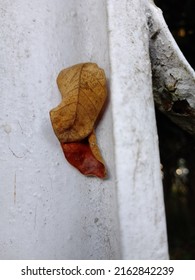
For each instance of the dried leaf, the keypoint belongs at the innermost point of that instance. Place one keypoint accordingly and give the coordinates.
(86, 159)
(83, 90)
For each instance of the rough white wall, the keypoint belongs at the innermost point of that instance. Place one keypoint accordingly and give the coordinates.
(141, 206)
(48, 209)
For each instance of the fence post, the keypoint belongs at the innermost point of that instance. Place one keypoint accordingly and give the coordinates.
(49, 210)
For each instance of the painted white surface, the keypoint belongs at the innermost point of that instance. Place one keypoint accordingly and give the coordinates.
(141, 206)
(48, 209)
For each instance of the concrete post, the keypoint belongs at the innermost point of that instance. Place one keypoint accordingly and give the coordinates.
(48, 209)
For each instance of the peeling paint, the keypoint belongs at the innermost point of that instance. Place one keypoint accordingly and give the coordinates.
(173, 77)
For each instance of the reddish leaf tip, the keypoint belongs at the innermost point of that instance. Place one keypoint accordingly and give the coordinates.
(80, 156)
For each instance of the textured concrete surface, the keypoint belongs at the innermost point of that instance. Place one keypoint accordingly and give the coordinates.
(48, 209)
(141, 209)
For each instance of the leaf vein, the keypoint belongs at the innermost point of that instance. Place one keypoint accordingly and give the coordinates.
(94, 76)
(89, 99)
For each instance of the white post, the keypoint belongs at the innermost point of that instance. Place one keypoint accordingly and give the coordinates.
(141, 206)
(48, 209)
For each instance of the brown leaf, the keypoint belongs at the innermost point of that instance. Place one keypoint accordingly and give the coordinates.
(83, 90)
